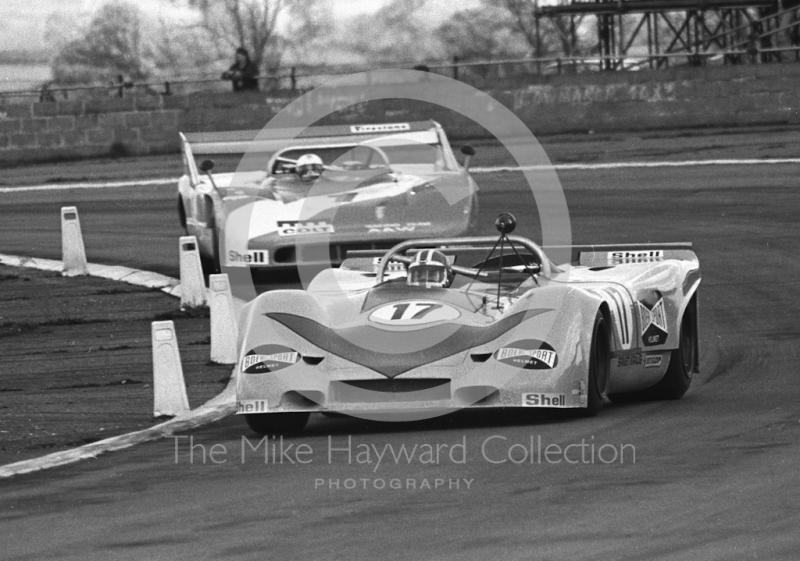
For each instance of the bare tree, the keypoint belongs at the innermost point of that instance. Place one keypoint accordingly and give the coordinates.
(112, 44)
(553, 35)
(395, 33)
(483, 33)
(259, 25)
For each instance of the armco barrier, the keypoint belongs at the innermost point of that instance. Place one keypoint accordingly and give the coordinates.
(603, 102)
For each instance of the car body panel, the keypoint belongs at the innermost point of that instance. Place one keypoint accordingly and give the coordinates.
(367, 347)
(267, 213)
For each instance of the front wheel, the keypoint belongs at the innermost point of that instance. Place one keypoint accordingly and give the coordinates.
(210, 264)
(599, 367)
(276, 424)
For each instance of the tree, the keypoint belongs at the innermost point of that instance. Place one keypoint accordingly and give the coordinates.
(552, 35)
(483, 33)
(395, 33)
(112, 44)
(266, 28)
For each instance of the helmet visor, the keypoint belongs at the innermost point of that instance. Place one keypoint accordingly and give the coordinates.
(427, 274)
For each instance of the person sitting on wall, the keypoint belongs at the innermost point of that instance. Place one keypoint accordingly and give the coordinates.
(243, 73)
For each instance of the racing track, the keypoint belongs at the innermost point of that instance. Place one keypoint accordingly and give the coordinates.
(716, 474)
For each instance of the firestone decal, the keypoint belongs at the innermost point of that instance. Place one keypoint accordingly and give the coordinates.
(367, 129)
(269, 358)
(529, 354)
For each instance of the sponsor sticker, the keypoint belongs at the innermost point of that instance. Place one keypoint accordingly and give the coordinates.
(652, 361)
(653, 320)
(396, 227)
(544, 400)
(648, 361)
(251, 406)
(249, 257)
(392, 267)
(366, 129)
(647, 256)
(298, 228)
(530, 354)
(413, 313)
(269, 358)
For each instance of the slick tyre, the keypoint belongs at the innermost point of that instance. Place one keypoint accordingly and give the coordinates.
(182, 216)
(276, 424)
(682, 363)
(599, 367)
(210, 264)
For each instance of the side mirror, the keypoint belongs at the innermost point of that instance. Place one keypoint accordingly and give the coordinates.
(206, 165)
(468, 152)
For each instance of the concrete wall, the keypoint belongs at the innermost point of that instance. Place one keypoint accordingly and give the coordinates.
(673, 98)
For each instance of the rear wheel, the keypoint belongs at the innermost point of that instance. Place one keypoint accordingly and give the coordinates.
(682, 363)
(277, 423)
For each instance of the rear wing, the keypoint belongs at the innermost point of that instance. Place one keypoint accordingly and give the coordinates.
(608, 255)
(604, 255)
(189, 165)
(239, 142)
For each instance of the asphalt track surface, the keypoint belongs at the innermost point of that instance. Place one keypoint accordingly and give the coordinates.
(716, 474)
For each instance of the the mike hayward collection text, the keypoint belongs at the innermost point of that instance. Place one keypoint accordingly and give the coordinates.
(496, 449)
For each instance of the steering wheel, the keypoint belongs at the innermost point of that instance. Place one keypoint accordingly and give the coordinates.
(393, 254)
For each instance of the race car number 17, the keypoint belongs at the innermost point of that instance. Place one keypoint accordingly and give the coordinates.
(413, 313)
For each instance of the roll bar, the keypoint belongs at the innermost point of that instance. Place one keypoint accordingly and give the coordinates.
(489, 240)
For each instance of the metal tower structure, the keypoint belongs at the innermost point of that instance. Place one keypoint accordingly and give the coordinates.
(730, 31)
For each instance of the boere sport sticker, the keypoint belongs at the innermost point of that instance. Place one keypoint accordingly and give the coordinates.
(269, 358)
(530, 354)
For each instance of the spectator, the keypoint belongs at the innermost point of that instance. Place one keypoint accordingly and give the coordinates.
(242, 73)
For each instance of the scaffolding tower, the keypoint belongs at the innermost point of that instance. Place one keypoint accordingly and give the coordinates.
(727, 31)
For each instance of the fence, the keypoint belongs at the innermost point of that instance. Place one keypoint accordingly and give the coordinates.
(480, 74)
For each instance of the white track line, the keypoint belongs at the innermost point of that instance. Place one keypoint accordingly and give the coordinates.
(98, 185)
(217, 408)
(477, 169)
(620, 165)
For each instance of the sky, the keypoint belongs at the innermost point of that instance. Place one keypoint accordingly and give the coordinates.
(22, 22)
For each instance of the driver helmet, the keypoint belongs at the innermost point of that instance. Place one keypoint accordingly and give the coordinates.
(430, 269)
(309, 167)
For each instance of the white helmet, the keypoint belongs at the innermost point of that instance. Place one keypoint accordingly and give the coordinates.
(309, 167)
(430, 269)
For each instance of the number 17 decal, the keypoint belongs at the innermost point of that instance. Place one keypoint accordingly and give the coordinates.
(413, 313)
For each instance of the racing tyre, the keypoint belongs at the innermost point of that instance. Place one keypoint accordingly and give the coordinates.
(210, 265)
(277, 423)
(682, 364)
(182, 216)
(599, 368)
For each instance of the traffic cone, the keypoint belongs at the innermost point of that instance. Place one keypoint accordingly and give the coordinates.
(224, 328)
(169, 387)
(193, 289)
(72, 250)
